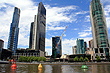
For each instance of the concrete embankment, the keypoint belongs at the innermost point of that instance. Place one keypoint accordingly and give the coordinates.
(4, 62)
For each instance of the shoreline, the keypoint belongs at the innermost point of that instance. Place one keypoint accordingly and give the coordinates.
(64, 63)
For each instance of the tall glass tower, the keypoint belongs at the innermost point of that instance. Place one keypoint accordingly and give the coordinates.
(14, 31)
(31, 35)
(99, 27)
(40, 28)
(56, 52)
(80, 46)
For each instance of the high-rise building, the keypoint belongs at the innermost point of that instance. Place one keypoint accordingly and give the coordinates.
(99, 27)
(41, 28)
(31, 35)
(56, 52)
(1, 43)
(91, 43)
(85, 47)
(14, 31)
(80, 46)
(37, 32)
(74, 49)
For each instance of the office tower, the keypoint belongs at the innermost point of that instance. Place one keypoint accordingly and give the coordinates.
(38, 28)
(99, 27)
(41, 28)
(1, 43)
(91, 43)
(80, 46)
(85, 47)
(14, 31)
(31, 35)
(74, 49)
(56, 52)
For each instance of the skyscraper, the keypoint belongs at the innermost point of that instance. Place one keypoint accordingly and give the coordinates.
(80, 46)
(85, 47)
(38, 28)
(14, 31)
(31, 35)
(1, 43)
(56, 52)
(41, 28)
(99, 27)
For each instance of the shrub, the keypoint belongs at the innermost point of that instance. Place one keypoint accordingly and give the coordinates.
(81, 59)
(98, 58)
(86, 59)
(76, 59)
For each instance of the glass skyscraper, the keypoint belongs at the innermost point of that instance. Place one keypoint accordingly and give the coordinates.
(56, 52)
(31, 35)
(38, 28)
(14, 31)
(99, 27)
(80, 46)
(41, 28)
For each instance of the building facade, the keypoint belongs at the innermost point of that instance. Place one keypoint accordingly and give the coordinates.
(80, 46)
(99, 27)
(99, 30)
(91, 43)
(74, 49)
(31, 35)
(85, 47)
(56, 52)
(14, 31)
(1, 43)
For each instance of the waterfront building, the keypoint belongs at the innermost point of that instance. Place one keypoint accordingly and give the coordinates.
(38, 30)
(91, 43)
(74, 49)
(41, 28)
(99, 26)
(80, 46)
(99, 29)
(14, 31)
(1, 43)
(85, 47)
(56, 52)
(31, 35)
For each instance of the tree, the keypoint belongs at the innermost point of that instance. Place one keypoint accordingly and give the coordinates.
(35, 59)
(98, 58)
(76, 59)
(86, 59)
(81, 59)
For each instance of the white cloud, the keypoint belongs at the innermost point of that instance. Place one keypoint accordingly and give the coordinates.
(87, 18)
(107, 14)
(85, 33)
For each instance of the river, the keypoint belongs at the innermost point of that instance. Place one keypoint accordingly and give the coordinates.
(6, 68)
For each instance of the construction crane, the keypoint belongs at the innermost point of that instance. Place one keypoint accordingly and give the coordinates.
(59, 41)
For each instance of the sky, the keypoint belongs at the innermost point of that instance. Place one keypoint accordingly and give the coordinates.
(59, 14)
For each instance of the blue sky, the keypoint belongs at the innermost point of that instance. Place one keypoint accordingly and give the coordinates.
(60, 13)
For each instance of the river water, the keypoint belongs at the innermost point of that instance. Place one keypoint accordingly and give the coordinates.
(6, 68)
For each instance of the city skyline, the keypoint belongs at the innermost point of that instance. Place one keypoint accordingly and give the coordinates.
(59, 15)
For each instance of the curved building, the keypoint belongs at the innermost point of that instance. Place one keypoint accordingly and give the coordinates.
(99, 27)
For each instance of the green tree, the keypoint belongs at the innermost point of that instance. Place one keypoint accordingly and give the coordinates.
(29, 59)
(20, 59)
(76, 59)
(98, 58)
(35, 59)
(86, 59)
(81, 59)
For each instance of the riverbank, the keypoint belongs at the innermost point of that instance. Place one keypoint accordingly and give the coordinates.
(64, 63)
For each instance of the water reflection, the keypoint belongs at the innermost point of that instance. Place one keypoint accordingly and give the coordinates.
(6, 68)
